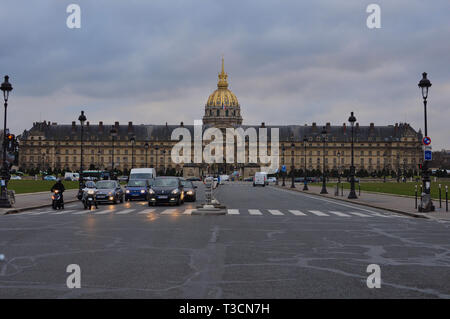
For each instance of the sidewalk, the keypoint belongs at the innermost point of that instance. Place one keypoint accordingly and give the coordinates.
(37, 200)
(398, 204)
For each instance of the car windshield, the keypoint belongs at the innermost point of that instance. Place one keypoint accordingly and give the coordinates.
(166, 182)
(141, 176)
(106, 185)
(187, 184)
(137, 183)
(90, 185)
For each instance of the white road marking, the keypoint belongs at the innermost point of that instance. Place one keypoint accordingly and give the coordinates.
(385, 216)
(297, 213)
(188, 211)
(233, 212)
(328, 201)
(146, 211)
(126, 211)
(40, 213)
(275, 212)
(338, 214)
(61, 212)
(81, 212)
(318, 213)
(169, 211)
(254, 212)
(359, 214)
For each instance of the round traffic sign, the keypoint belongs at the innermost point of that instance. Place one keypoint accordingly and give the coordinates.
(426, 140)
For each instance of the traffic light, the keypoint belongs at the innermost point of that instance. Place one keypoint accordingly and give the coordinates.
(11, 143)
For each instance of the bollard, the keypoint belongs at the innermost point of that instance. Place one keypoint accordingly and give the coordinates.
(415, 187)
(342, 189)
(359, 189)
(440, 197)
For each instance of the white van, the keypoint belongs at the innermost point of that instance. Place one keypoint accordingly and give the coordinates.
(142, 173)
(69, 176)
(260, 179)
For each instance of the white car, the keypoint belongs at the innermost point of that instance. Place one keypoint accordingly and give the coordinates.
(15, 177)
(260, 179)
(272, 180)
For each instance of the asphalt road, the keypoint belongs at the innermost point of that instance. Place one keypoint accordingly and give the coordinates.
(273, 243)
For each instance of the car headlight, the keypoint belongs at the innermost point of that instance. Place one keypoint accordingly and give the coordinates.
(190, 193)
(142, 191)
(110, 193)
(127, 191)
(91, 192)
(175, 191)
(151, 191)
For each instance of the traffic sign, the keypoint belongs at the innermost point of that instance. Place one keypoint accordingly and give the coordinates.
(426, 140)
(283, 168)
(428, 155)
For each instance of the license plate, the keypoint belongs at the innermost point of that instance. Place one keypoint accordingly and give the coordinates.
(101, 196)
(163, 197)
(89, 198)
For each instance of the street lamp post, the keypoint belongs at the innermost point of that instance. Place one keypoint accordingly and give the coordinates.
(426, 205)
(339, 167)
(6, 87)
(292, 165)
(324, 181)
(82, 119)
(305, 181)
(113, 136)
(384, 167)
(98, 159)
(146, 157)
(352, 194)
(164, 160)
(282, 152)
(133, 141)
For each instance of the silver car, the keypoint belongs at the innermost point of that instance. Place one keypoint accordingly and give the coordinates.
(109, 191)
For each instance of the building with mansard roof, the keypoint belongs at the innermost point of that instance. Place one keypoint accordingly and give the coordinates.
(391, 147)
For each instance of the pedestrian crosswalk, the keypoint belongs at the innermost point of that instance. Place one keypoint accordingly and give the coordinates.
(164, 211)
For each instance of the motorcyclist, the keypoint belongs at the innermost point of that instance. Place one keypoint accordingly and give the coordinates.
(60, 187)
(86, 188)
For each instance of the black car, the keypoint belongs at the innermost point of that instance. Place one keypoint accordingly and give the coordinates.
(189, 190)
(166, 190)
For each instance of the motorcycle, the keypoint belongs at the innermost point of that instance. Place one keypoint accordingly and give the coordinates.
(57, 202)
(89, 199)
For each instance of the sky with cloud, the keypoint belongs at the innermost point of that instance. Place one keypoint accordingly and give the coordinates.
(289, 62)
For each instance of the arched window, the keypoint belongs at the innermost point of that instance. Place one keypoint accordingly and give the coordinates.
(226, 113)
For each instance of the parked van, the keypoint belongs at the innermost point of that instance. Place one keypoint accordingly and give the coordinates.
(142, 173)
(260, 179)
(69, 176)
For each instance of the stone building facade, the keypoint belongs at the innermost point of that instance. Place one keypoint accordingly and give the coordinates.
(390, 147)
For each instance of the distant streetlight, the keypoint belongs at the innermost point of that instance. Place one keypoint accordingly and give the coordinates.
(352, 194)
(6, 87)
(426, 204)
(283, 173)
(82, 119)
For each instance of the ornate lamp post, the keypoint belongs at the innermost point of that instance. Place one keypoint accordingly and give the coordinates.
(82, 119)
(146, 157)
(384, 167)
(164, 161)
(133, 141)
(282, 152)
(292, 165)
(305, 181)
(113, 137)
(6, 87)
(426, 205)
(398, 168)
(324, 180)
(352, 194)
(98, 159)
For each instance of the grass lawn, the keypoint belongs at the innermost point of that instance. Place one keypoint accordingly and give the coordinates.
(29, 186)
(395, 188)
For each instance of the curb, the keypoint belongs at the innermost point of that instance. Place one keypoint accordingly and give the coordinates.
(19, 210)
(362, 204)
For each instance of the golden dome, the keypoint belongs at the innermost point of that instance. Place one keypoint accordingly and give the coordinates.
(222, 96)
